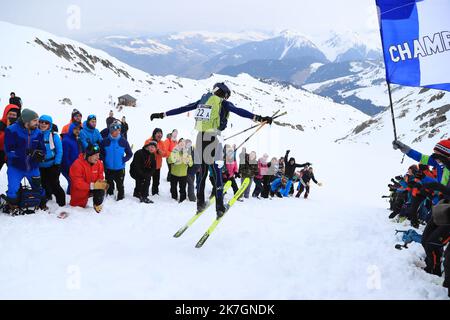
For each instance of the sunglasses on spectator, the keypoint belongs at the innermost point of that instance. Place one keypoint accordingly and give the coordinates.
(44, 122)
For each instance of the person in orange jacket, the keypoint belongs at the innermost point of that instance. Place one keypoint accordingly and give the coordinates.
(10, 116)
(88, 179)
(76, 118)
(161, 153)
(170, 143)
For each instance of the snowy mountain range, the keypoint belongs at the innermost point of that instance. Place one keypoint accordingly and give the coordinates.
(92, 80)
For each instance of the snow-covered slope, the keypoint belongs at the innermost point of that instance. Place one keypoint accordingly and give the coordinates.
(361, 84)
(263, 249)
(421, 115)
(91, 79)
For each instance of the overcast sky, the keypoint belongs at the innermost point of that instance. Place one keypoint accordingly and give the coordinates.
(156, 17)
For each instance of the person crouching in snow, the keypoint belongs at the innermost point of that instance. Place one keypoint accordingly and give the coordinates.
(25, 150)
(280, 187)
(180, 160)
(305, 176)
(88, 179)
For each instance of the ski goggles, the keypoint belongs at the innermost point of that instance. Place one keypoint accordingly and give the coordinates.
(91, 117)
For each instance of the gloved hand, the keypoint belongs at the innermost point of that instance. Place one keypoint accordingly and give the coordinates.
(37, 155)
(400, 146)
(157, 116)
(320, 184)
(57, 168)
(268, 120)
(237, 175)
(100, 185)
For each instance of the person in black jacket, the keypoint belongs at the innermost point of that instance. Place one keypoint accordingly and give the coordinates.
(124, 128)
(289, 168)
(15, 101)
(142, 168)
(305, 176)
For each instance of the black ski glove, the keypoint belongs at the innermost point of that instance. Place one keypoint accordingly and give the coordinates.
(157, 116)
(237, 175)
(400, 146)
(268, 120)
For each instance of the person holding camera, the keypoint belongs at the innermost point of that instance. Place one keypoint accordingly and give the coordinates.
(25, 150)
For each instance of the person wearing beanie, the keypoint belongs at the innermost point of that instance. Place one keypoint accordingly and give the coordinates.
(90, 134)
(10, 116)
(115, 152)
(25, 150)
(88, 179)
(142, 169)
(161, 153)
(76, 117)
(51, 167)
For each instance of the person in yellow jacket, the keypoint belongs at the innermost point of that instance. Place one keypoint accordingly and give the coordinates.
(180, 160)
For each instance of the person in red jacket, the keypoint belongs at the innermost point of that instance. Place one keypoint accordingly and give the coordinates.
(10, 115)
(87, 178)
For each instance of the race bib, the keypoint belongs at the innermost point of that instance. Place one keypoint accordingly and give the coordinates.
(203, 113)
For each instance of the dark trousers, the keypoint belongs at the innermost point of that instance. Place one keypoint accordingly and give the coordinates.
(191, 187)
(266, 186)
(447, 268)
(234, 184)
(2, 159)
(155, 185)
(115, 177)
(181, 182)
(413, 213)
(142, 187)
(67, 176)
(208, 150)
(434, 239)
(258, 187)
(301, 189)
(51, 185)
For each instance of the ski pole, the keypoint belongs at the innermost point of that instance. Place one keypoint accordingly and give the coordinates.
(275, 116)
(259, 128)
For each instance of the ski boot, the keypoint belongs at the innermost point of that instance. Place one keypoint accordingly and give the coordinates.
(146, 200)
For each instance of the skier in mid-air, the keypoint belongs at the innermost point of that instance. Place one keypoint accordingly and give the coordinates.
(211, 118)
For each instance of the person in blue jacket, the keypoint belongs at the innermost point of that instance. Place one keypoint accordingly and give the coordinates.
(211, 118)
(71, 150)
(25, 150)
(281, 187)
(115, 152)
(90, 134)
(51, 167)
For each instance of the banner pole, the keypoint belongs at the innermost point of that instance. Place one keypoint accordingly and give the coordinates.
(392, 110)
